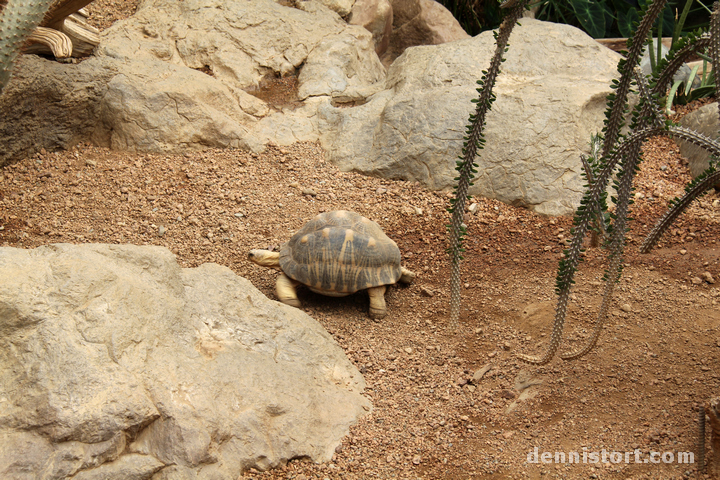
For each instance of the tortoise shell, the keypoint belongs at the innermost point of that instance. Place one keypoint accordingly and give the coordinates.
(341, 252)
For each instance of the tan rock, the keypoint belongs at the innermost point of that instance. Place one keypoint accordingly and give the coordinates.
(108, 342)
(377, 17)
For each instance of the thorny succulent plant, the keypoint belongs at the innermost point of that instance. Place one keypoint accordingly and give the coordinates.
(18, 19)
(474, 141)
(619, 158)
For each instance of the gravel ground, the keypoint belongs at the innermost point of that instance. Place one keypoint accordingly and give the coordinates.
(447, 404)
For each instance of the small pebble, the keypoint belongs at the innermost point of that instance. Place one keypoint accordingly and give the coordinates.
(626, 307)
(707, 276)
(696, 280)
(309, 191)
(427, 292)
(416, 460)
(161, 230)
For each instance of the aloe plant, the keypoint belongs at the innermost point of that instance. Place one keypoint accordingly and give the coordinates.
(18, 19)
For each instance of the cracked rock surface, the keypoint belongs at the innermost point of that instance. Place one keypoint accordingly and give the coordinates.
(116, 363)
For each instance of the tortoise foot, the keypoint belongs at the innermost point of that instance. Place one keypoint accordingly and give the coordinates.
(293, 302)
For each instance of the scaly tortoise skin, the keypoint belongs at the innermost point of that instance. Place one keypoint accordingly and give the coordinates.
(337, 253)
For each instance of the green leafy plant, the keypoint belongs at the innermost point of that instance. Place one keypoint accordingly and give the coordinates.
(614, 18)
(18, 19)
(684, 91)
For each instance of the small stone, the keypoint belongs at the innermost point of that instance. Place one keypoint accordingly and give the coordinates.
(161, 230)
(626, 307)
(381, 190)
(506, 346)
(696, 280)
(471, 388)
(707, 276)
(683, 251)
(416, 460)
(479, 374)
(461, 381)
(295, 185)
(408, 350)
(473, 208)
(507, 394)
(508, 434)
(309, 191)
(90, 163)
(238, 215)
(418, 211)
(547, 248)
(427, 292)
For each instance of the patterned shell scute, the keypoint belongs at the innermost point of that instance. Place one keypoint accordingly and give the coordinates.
(341, 252)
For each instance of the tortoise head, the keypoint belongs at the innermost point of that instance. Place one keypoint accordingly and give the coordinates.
(265, 258)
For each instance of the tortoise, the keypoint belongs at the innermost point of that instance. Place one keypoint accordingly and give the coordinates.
(337, 253)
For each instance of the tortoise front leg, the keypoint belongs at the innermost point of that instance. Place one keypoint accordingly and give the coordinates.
(377, 302)
(285, 290)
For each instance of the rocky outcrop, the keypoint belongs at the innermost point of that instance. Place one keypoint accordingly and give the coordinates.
(190, 75)
(704, 120)
(376, 16)
(421, 22)
(117, 363)
(179, 75)
(550, 99)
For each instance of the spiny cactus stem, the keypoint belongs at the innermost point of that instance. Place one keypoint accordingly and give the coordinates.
(477, 124)
(677, 208)
(714, 49)
(617, 109)
(617, 242)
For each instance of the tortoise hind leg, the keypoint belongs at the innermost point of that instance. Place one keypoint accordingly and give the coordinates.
(406, 276)
(377, 302)
(285, 290)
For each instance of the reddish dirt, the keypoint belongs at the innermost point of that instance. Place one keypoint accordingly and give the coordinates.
(435, 415)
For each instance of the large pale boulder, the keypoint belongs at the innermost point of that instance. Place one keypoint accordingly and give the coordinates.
(117, 363)
(550, 99)
(179, 75)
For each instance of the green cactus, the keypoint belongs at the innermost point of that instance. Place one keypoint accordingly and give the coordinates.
(18, 19)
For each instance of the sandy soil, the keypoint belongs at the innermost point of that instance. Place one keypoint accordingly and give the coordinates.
(447, 404)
